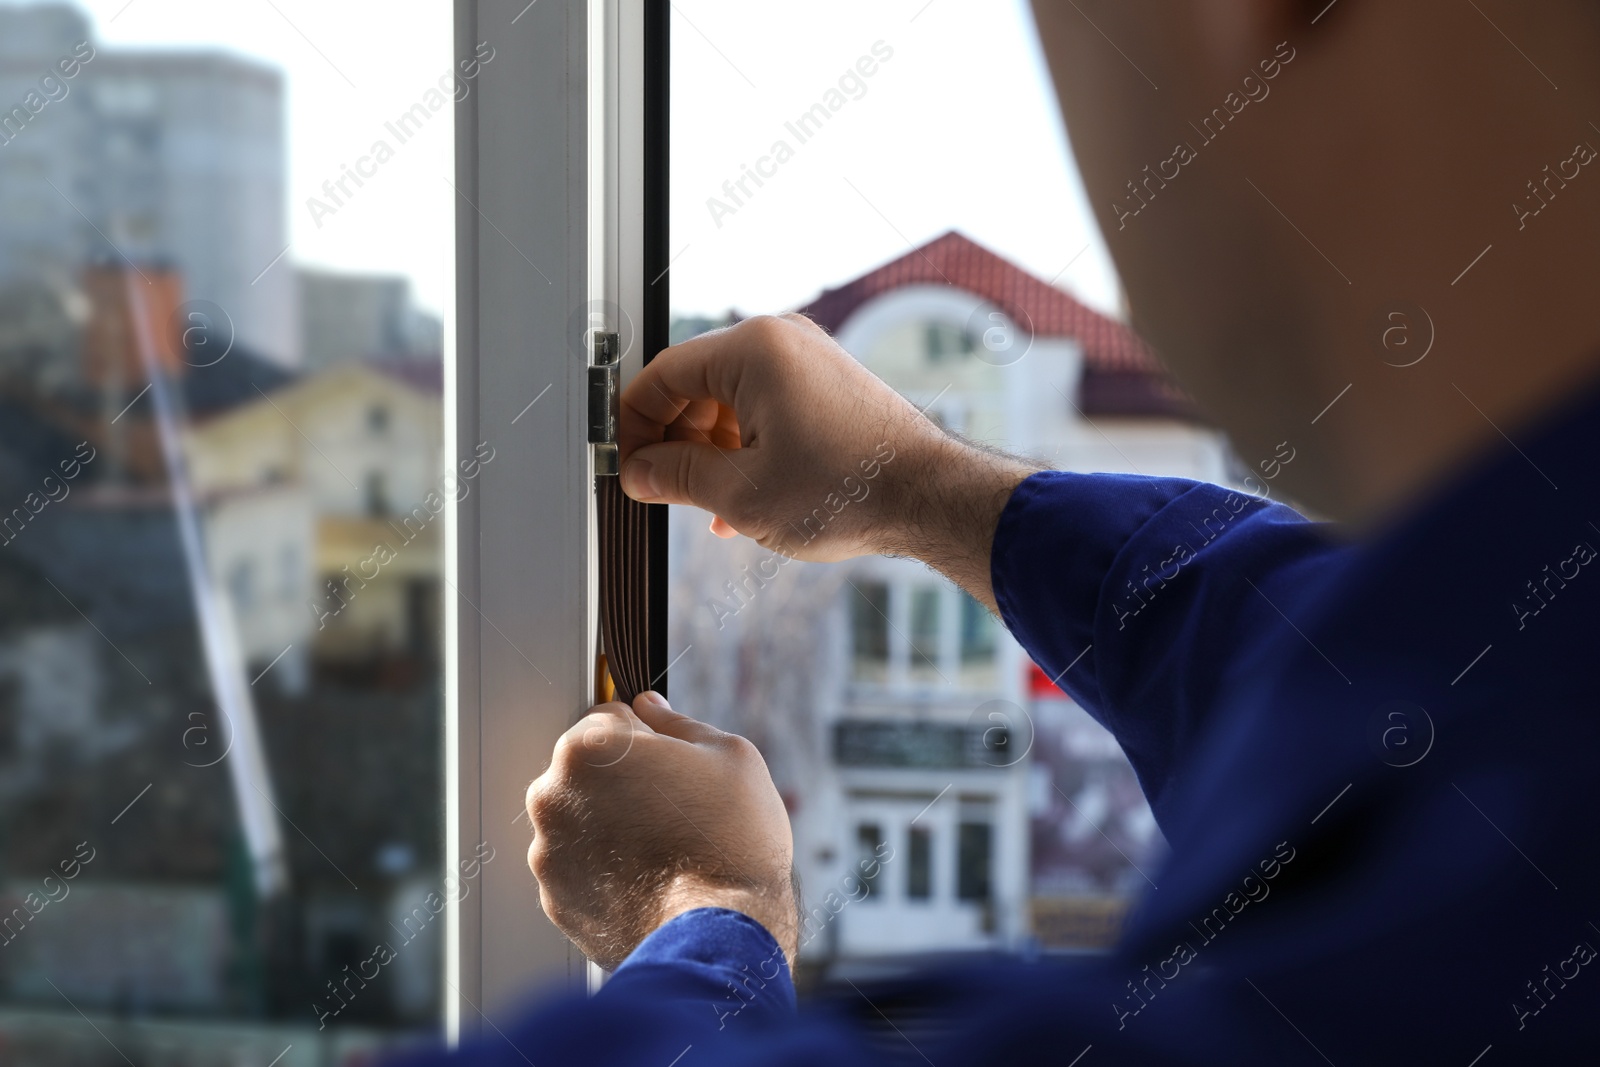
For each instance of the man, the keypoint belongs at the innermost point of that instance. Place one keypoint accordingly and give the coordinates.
(1364, 231)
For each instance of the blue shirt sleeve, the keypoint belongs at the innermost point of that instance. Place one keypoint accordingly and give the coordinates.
(1422, 921)
(711, 980)
(722, 962)
(1136, 595)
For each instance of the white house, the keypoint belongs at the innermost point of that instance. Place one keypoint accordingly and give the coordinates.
(896, 713)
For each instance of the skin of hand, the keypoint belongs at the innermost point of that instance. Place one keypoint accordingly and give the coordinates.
(645, 814)
(787, 439)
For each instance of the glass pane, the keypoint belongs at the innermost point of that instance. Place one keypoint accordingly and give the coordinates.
(869, 841)
(919, 864)
(973, 859)
(223, 238)
(869, 630)
(1006, 325)
(979, 641)
(925, 634)
(946, 342)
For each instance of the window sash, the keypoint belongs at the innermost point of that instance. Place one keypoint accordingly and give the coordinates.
(560, 213)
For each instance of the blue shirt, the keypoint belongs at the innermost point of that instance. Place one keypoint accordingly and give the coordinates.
(1377, 766)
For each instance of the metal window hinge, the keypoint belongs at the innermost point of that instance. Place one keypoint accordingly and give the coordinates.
(605, 380)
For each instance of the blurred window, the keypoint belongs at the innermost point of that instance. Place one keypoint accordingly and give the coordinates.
(946, 343)
(974, 857)
(869, 630)
(869, 839)
(919, 863)
(979, 638)
(377, 494)
(926, 602)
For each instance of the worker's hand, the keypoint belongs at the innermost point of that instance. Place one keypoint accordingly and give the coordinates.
(787, 439)
(645, 814)
(777, 431)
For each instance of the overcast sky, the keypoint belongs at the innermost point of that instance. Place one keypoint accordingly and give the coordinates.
(957, 128)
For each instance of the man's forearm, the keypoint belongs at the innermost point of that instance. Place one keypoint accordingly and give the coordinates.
(949, 497)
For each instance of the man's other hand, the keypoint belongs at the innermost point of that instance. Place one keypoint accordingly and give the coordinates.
(644, 814)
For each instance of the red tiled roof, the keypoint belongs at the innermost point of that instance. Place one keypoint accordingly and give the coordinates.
(1121, 374)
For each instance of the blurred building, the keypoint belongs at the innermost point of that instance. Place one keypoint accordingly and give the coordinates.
(44, 241)
(900, 719)
(332, 466)
(168, 157)
(371, 317)
(160, 175)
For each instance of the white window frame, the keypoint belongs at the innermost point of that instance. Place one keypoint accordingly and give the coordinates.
(549, 223)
